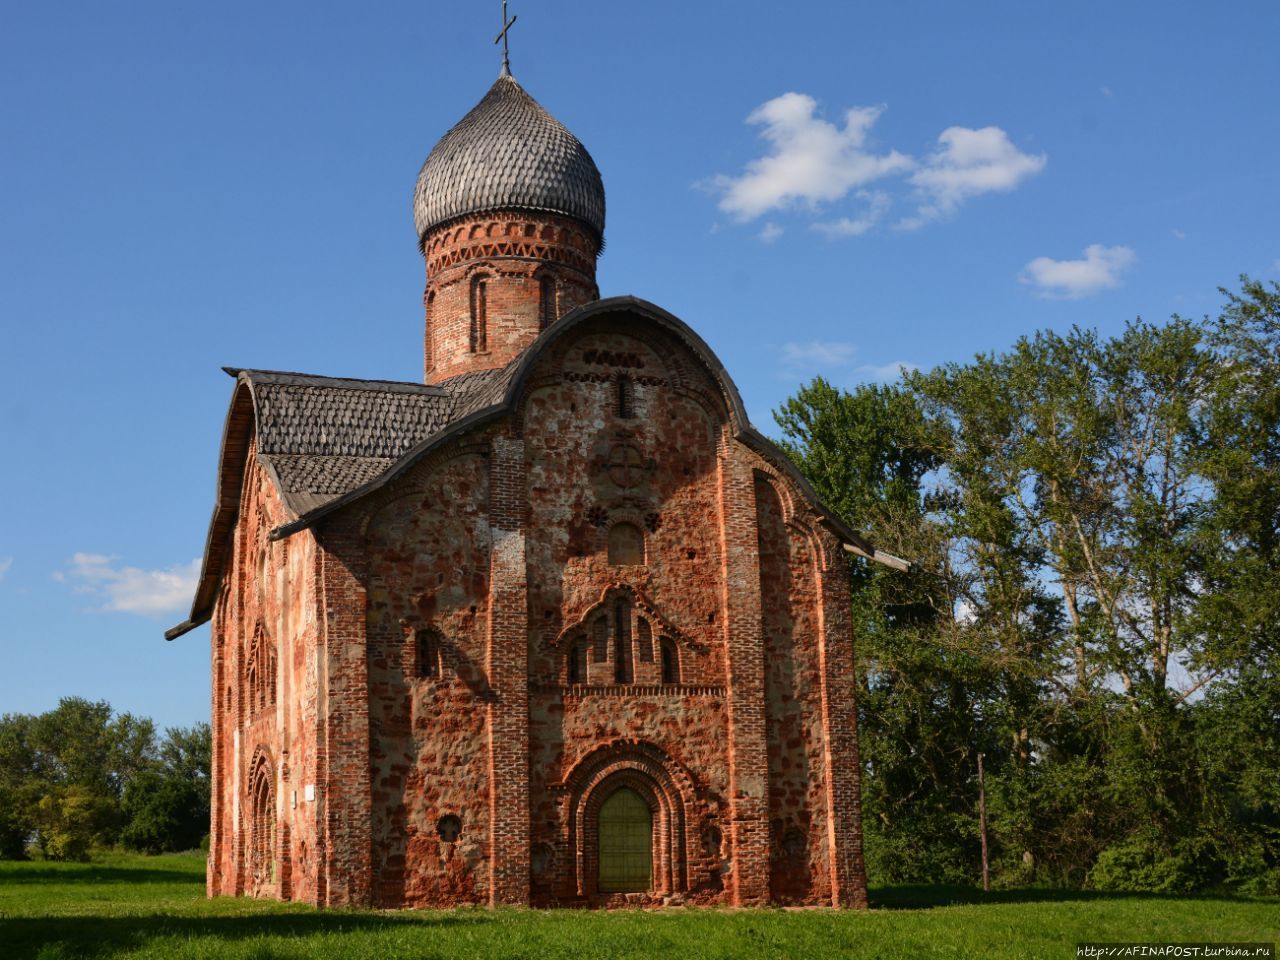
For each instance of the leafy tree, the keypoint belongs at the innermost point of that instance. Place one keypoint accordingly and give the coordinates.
(864, 452)
(1094, 603)
(71, 819)
(167, 804)
(65, 771)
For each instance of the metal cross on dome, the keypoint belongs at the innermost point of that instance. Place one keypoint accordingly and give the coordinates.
(506, 52)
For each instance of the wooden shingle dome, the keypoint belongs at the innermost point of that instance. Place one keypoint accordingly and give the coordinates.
(508, 153)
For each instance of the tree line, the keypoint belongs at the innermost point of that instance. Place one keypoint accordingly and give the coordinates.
(79, 777)
(1093, 610)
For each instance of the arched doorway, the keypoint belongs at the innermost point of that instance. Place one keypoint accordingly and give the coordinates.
(625, 832)
(663, 786)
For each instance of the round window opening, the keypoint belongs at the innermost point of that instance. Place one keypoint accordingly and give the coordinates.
(448, 828)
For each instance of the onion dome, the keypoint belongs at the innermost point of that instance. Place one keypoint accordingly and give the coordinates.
(508, 152)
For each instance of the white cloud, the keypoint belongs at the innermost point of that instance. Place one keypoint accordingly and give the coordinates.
(5, 564)
(877, 203)
(812, 161)
(802, 360)
(130, 589)
(818, 353)
(966, 164)
(1179, 234)
(812, 164)
(886, 372)
(1072, 279)
(1107, 92)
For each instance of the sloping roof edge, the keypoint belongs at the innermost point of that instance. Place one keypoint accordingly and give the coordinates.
(627, 305)
(237, 432)
(242, 414)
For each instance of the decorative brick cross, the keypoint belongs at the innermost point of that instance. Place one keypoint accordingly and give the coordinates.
(626, 466)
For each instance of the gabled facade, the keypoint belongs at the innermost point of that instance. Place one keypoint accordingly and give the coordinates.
(557, 626)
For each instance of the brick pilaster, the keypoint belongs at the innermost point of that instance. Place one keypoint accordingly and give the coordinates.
(840, 724)
(347, 860)
(744, 637)
(217, 721)
(508, 669)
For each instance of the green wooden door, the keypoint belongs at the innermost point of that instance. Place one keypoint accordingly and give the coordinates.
(626, 843)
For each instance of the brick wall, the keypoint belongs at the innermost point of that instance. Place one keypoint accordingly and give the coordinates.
(425, 685)
(512, 256)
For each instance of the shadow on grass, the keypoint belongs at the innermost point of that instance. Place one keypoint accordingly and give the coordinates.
(26, 938)
(81, 874)
(924, 896)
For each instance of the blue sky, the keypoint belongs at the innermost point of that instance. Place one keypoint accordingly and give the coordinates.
(818, 188)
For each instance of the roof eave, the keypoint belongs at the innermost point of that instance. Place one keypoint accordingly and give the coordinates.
(236, 433)
(854, 541)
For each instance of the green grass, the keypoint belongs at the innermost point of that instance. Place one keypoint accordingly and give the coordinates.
(126, 906)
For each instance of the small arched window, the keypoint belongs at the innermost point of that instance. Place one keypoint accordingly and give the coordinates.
(600, 639)
(622, 672)
(546, 302)
(479, 313)
(644, 640)
(578, 662)
(449, 827)
(670, 661)
(626, 545)
(626, 400)
(427, 653)
(262, 827)
(260, 672)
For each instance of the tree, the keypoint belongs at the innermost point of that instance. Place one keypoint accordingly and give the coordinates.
(865, 454)
(167, 804)
(65, 772)
(1094, 604)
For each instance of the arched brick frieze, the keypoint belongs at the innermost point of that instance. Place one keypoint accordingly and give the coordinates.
(667, 364)
(262, 826)
(664, 783)
(586, 656)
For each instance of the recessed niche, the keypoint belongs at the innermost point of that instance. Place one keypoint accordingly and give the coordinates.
(626, 545)
(542, 859)
(793, 844)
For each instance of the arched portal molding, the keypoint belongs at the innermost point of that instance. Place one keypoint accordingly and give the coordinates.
(662, 782)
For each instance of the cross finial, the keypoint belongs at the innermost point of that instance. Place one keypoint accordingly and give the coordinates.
(506, 52)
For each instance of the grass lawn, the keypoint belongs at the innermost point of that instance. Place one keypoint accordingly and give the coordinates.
(128, 906)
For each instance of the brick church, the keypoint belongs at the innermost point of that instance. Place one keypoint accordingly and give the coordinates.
(556, 626)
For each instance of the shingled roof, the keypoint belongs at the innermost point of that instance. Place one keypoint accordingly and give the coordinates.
(326, 436)
(323, 438)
